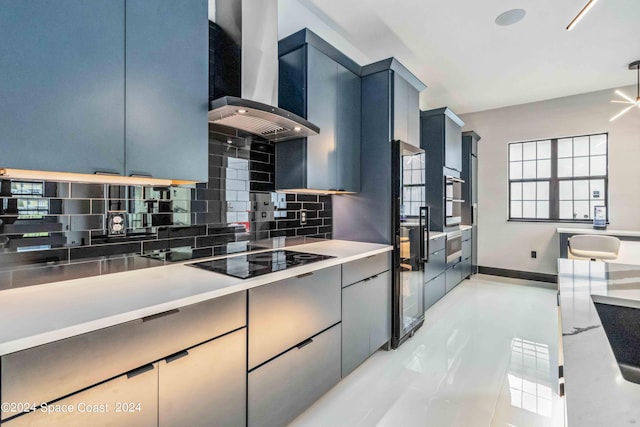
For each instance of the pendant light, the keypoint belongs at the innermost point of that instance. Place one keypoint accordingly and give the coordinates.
(627, 99)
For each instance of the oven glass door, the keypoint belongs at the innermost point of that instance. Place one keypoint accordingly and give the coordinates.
(454, 248)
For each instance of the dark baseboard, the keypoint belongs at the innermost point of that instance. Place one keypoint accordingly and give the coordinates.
(517, 274)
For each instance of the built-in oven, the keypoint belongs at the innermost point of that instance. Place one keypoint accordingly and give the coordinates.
(454, 246)
(453, 201)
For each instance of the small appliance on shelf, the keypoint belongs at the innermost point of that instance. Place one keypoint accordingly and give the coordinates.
(600, 217)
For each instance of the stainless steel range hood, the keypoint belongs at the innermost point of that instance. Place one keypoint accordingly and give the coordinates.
(253, 24)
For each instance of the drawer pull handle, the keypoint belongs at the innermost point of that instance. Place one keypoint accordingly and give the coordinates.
(300, 276)
(140, 370)
(374, 277)
(304, 343)
(176, 356)
(159, 315)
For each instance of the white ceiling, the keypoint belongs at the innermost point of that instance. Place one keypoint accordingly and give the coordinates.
(466, 60)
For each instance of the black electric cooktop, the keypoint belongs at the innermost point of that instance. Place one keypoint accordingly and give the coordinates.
(257, 264)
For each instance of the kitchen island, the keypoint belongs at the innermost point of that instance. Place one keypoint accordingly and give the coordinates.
(178, 345)
(596, 393)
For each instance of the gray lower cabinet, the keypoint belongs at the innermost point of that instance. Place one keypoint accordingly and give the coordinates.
(361, 269)
(50, 371)
(62, 85)
(130, 400)
(284, 313)
(281, 389)
(453, 277)
(366, 319)
(205, 385)
(436, 265)
(434, 290)
(465, 268)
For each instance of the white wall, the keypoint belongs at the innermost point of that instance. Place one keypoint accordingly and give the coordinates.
(294, 15)
(504, 244)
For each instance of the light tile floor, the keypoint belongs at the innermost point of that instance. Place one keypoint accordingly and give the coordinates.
(486, 356)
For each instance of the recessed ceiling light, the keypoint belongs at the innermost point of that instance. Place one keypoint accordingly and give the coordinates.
(297, 128)
(241, 111)
(510, 17)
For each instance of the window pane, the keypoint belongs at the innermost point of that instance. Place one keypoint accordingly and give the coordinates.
(565, 167)
(566, 210)
(516, 209)
(529, 151)
(406, 177)
(528, 209)
(529, 169)
(544, 149)
(515, 152)
(598, 144)
(581, 210)
(597, 190)
(542, 210)
(598, 165)
(566, 190)
(543, 191)
(581, 190)
(581, 146)
(544, 168)
(528, 191)
(516, 191)
(565, 147)
(515, 170)
(581, 166)
(416, 176)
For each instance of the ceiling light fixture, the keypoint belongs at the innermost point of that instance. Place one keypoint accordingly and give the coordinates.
(581, 14)
(627, 99)
(510, 17)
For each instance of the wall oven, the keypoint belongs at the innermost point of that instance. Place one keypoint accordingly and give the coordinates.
(454, 246)
(453, 200)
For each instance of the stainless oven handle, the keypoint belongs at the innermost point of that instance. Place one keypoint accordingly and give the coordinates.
(454, 256)
(454, 234)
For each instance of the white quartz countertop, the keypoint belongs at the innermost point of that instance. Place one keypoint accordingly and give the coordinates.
(37, 315)
(596, 393)
(607, 232)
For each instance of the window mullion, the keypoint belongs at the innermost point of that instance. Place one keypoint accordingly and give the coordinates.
(554, 185)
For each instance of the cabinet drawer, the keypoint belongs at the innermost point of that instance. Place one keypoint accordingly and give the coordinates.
(466, 249)
(437, 244)
(285, 313)
(138, 388)
(453, 277)
(436, 265)
(49, 371)
(434, 290)
(466, 234)
(283, 388)
(355, 271)
(465, 268)
(206, 385)
(366, 320)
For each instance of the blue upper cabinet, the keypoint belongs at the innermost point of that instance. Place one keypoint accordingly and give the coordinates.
(105, 86)
(167, 59)
(62, 85)
(319, 83)
(405, 91)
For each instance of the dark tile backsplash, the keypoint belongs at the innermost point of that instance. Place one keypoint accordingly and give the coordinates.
(52, 231)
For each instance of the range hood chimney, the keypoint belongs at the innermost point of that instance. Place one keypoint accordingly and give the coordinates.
(253, 25)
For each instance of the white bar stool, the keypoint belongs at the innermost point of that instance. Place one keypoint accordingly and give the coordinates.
(593, 247)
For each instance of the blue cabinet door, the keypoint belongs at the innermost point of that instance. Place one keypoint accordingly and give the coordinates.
(62, 85)
(167, 88)
(321, 110)
(347, 132)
